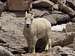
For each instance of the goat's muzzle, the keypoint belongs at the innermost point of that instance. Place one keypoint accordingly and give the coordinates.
(27, 25)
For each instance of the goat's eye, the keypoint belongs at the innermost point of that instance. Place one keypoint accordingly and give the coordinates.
(25, 18)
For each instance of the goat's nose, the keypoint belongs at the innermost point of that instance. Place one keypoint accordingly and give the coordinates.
(27, 25)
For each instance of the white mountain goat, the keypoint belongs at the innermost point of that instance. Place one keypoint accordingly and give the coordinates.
(34, 29)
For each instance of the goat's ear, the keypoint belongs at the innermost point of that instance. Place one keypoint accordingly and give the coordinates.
(26, 13)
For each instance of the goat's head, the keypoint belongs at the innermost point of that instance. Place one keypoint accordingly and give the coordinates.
(28, 19)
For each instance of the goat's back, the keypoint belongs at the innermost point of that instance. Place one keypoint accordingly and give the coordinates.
(40, 26)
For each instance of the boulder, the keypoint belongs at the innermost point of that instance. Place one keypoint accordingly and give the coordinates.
(11, 31)
(45, 14)
(39, 12)
(66, 9)
(1, 7)
(63, 51)
(59, 28)
(70, 27)
(71, 3)
(61, 18)
(69, 38)
(51, 19)
(19, 5)
(43, 4)
(73, 19)
(5, 52)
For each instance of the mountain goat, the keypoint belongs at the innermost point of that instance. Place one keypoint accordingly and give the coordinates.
(34, 29)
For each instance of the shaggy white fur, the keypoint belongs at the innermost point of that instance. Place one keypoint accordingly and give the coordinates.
(39, 28)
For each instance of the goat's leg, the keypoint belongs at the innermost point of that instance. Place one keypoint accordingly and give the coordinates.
(31, 41)
(49, 41)
(30, 44)
(34, 40)
(49, 45)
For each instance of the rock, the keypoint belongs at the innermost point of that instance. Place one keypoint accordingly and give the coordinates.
(39, 12)
(55, 7)
(62, 1)
(59, 28)
(45, 14)
(3, 1)
(60, 51)
(57, 49)
(2, 41)
(73, 19)
(43, 4)
(66, 41)
(1, 7)
(19, 5)
(67, 50)
(61, 18)
(5, 52)
(71, 3)
(70, 27)
(51, 19)
(56, 12)
(64, 8)
(13, 27)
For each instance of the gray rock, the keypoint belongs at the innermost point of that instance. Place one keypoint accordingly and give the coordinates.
(39, 12)
(56, 1)
(45, 14)
(70, 27)
(67, 50)
(58, 50)
(61, 18)
(71, 3)
(56, 12)
(66, 9)
(1, 7)
(50, 18)
(13, 27)
(62, 1)
(43, 4)
(5, 52)
(73, 19)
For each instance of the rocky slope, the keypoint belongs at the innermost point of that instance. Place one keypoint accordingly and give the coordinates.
(11, 37)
